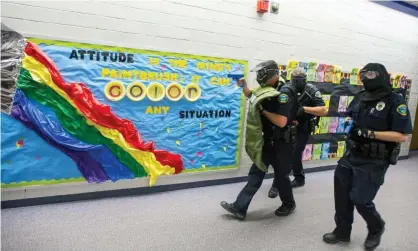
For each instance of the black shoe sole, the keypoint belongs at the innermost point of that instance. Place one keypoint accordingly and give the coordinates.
(298, 185)
(280, 214)
(378, 244)
(272, 196)
(335, 241)
(240, 217)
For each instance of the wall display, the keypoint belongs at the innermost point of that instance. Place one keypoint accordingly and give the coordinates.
(81, 112)
(12, 45)
(338, 88)
(95, 113)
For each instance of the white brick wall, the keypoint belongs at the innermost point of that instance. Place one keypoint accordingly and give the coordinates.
(346, 33)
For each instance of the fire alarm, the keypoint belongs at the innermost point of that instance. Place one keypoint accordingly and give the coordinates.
(262, 6)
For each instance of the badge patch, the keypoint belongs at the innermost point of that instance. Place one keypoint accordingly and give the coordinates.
(402, 110)
(380, 106)
(318, 94)
(283, 98)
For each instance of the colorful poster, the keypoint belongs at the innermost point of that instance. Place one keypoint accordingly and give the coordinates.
(329, 73)
(337, 75)
(325, 151)
(354, 77)
(342, 105)
(320, 72)
(326, 98)
(341, 149)
(341, 125)
(95, 113)
(397, 81)
(311, 72)
(307, 153)
(350, 98)
(291, 66)
(333, 125)
(324, 124)
(316, 151)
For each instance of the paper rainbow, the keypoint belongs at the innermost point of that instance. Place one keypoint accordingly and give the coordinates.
(104, 146)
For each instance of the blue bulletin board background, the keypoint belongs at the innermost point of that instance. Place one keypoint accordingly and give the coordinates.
(204, 143)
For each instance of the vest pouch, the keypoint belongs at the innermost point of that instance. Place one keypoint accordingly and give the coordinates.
(293, 134)
(381, 150)
(393, 156)
(365, 149)
(373, 150)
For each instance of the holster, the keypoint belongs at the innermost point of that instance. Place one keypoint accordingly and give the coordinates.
(287, 134)
(394, 154)
(312, 123)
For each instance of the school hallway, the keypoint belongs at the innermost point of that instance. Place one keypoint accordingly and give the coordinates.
(192, 219)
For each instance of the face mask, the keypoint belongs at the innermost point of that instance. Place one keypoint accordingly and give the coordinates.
(371, 85)
(299, 83)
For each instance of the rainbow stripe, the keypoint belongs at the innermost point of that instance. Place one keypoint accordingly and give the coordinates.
(87, 120)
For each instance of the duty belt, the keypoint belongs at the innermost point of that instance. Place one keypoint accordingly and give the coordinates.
(376, 150)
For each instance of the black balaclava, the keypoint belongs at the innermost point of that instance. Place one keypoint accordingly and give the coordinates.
(378, 87)
(299, 79)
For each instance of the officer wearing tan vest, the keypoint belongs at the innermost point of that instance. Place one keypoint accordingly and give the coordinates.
(269, 138)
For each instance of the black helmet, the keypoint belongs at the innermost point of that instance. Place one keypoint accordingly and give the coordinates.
(265, 71)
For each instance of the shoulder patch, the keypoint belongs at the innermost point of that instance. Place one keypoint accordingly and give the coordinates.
(318, 94)
(402, 110)
(283, 98)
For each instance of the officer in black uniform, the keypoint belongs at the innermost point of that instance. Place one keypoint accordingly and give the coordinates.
(279, 135)
(311, 105)
(381, 120)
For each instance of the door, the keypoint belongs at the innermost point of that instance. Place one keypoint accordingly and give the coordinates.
(414, 141)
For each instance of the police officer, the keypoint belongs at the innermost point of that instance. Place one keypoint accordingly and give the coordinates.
(273, 146)
(310, 105)
(381, 120)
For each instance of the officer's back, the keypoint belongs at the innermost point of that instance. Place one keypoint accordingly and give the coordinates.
(285, 104)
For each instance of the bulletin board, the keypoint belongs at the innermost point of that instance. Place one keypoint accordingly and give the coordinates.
(85, 112)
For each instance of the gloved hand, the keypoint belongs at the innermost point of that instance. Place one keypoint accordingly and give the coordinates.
(260, 108)
(348, 125)
(361, 132)
(300, 111)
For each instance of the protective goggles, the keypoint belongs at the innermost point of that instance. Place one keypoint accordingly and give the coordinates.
(368, 74)
(266, 74)
(297, 79)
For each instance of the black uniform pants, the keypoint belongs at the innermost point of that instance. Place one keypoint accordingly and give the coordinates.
(296, 159)
(357, 187)
(301, 141)
(277, 156)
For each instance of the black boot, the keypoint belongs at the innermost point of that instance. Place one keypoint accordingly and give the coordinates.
(285, 209)
(332, 238)
(297, 183)
(273, 193)
(373, 240)
(231, 208)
